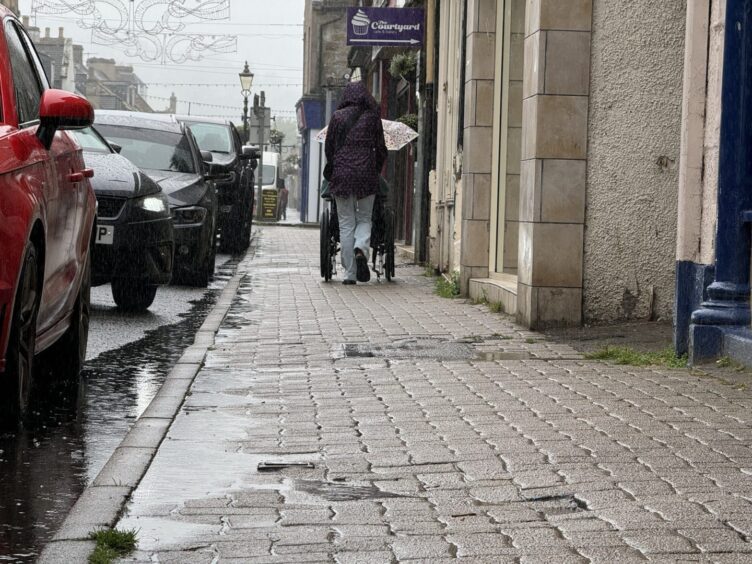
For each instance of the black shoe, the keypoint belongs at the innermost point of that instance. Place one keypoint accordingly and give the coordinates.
(349, 282)
(362, 273)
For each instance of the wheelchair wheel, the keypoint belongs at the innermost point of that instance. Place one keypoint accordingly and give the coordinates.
(325, 259)
(389, 245)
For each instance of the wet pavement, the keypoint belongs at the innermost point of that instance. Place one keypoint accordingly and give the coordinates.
(381, 423)
(46, 465)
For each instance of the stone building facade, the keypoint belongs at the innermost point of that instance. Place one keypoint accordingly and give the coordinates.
(557, 170)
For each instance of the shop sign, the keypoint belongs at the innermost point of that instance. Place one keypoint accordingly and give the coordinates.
(379, 27)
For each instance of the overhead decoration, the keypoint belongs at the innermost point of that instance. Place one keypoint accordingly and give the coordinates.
(152, 30)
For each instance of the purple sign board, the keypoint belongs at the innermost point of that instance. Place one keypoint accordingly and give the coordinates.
(378, 27)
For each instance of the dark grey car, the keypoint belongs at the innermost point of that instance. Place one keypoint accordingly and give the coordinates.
(233, 168)
(134, 243)
(168, 153)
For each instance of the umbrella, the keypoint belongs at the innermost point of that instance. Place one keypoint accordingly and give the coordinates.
(396, 134)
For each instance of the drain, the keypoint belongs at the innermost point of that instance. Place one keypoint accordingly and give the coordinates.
(332, 491)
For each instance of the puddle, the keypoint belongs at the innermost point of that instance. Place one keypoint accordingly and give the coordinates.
(337, 491)
(414, 347)
(46, 465)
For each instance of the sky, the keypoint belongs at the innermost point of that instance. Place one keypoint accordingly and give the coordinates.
(270, 38)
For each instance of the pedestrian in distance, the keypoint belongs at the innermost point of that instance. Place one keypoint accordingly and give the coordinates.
(283, 195)
(355, 153)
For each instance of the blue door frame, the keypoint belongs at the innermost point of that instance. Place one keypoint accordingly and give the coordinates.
(727, 305)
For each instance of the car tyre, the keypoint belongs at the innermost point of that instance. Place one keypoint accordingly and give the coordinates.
(69, 353)
(133, 296)
(203, 275)
(18, 378)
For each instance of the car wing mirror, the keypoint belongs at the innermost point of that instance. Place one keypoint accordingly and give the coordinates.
(207, 157)
(115, 147)
(251, 152)
(61, 110)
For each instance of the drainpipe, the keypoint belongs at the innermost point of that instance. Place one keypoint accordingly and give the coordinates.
(727, 308)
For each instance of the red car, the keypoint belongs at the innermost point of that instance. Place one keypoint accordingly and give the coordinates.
(47, 209)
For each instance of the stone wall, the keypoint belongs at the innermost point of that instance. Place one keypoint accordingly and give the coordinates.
(634, 143)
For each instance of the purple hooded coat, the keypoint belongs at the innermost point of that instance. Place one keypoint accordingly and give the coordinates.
(358, 163)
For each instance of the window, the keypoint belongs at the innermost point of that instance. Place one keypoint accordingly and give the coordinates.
(212, 137)
(90, 141)
(152, 149)
(268, 175)
(27, 84)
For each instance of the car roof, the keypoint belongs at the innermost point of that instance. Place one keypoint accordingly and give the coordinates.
(5, 12)
(201, 119)
(143, 120)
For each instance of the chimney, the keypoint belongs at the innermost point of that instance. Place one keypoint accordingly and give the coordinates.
(61, 33)
(46, 31)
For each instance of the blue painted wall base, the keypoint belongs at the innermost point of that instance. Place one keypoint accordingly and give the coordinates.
(705, 343)
(692, 280)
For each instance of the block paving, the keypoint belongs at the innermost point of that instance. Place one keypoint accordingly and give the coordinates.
(412, 428)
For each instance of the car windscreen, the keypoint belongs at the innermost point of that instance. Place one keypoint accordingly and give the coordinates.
(90, 141)
(212, 137)
(151, 149)
(269, 175)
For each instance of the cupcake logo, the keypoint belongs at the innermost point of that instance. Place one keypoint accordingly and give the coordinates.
(360, 23)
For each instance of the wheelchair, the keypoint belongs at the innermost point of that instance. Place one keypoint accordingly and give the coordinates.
(382, 239)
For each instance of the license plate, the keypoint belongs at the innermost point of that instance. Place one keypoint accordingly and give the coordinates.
(105, 235)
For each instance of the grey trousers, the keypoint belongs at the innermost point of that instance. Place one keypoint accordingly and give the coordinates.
(354, 229)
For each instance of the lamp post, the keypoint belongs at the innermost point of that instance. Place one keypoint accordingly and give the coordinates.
(246, 82)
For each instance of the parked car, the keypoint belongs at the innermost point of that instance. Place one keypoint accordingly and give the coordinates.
(168, 153)
(235, 179)
(47, 210)
(134, 242)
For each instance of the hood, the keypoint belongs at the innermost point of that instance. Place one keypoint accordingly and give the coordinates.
(357, 95)
(181, 189)
(114, 175)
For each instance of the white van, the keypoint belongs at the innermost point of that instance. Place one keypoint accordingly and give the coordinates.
(270, 172)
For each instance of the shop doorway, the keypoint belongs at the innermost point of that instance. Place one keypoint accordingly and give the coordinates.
(507, 149)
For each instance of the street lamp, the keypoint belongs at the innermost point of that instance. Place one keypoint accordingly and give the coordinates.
(246, 82)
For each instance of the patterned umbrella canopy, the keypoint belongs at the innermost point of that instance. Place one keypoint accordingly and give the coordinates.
(396, 134)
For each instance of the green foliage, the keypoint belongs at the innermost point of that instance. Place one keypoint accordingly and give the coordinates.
(112, 544)
(403, 65)
(448, 288)
(496, 307)
(410, 120)
(626, 356)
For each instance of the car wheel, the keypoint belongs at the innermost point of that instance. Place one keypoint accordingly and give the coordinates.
(130, 296)
(18, 377)
(68, 355)
(236, 237)
(200, 278)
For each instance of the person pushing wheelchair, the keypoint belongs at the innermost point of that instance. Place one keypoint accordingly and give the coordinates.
(355, 153)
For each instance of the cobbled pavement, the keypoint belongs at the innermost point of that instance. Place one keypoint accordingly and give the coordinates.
(437, 431)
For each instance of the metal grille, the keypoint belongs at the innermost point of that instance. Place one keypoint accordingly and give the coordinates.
(110, 207)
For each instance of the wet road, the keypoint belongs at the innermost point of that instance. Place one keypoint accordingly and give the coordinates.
(45, 466)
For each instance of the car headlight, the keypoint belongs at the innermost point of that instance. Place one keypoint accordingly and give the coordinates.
(189, 215)
(156, 203)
